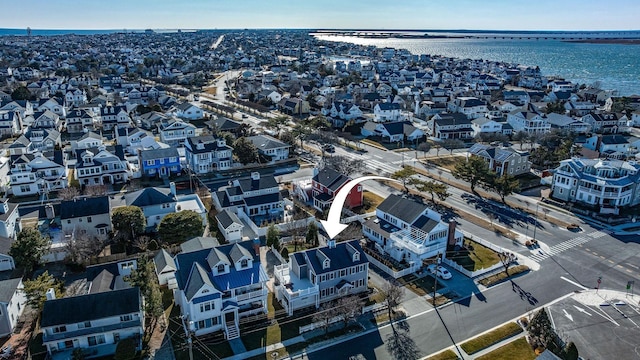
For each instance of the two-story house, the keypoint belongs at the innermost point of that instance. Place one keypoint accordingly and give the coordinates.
(316, 276)
(383, 112)
(9, 224)
(80, 120)
(326, 183)
(258, 198)
(503, 160)
(10, 123)
(607, 123)
(528, 121)
(32, 174)
(270, 147)
(114, 116)
(89, 216)
(100, 166)
(605, 184)
(207, 153)
(392, 132)
(87, 141)
(92, 322)
(472, 107)
(161, 162)
(564, 122)
(219, 286)
(188, 111)
(174, 131)
(12, 304)
(409, 231)
(450, 126)
(609, 146)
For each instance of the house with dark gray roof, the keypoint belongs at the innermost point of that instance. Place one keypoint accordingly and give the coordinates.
(503, 160)
(326, 183)
(12, 304)
(270, 147)
(165, 269)
(207, 154)
(230, 225)
(86, 216)
(450, 126)
(216, 287)
(316, 276)
(161, 162)
(410, 231)
(93, 322)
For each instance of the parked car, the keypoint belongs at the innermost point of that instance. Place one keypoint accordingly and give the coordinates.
(440, 271)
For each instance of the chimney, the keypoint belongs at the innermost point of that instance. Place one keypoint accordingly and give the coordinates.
(256, 246)
(315, 171)
(50, 211)
(451, 240)
(172, 186)
(4, 207)
(255, 175)
(50, 294)
(331, 244)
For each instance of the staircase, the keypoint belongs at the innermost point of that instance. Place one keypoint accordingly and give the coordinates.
(232, 330)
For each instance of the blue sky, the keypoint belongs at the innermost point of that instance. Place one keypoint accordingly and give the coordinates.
(338, 14)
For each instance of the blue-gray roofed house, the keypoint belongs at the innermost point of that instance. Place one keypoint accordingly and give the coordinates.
(316, 276)
(219, 286)
(160, 162)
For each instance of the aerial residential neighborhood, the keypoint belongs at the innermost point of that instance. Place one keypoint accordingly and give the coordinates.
(171, 202)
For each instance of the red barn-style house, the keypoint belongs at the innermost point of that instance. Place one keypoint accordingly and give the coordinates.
(326, 183)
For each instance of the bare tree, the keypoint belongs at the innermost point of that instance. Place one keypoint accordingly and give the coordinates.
(95, 190)
(348, 308)
(324, 316)
(343, 164)
(81, 246)
(68, 193)
(392, 295)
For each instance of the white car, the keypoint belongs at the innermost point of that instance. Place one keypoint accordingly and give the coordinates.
(440, 271)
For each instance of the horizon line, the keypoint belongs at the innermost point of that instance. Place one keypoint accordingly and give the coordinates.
(323, 29)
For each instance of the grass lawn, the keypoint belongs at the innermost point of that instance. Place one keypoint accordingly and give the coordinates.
(375, 298)
(445, 355)
(528, 180)
(370, 202)
(490, 338)
(494, 279)
(447, 162)
(481, 257)
(519, 349)
(421, 286)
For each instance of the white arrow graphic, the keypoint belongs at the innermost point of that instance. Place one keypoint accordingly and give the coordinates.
(581, 310)
(332, 225)
(567, 315)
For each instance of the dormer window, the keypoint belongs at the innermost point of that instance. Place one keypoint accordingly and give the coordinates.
(356, 256)
(220, 268)
(244, 263)
(326, 264)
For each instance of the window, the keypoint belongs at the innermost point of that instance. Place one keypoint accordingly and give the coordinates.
(244, 263)
(59, 329)
(207, 306)
(96, 340)
(88, 219)
(343, 272)
(86, 324)
(173, 159)
(221, 268)
(116, 337)
(68, 221)
(150, 162)
(124, 318)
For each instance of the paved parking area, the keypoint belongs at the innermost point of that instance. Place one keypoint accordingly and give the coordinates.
(600, 324)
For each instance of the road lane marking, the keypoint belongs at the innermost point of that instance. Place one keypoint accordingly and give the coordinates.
(574, 283)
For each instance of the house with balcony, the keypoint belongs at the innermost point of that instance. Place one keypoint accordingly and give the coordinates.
(607, 122)
(257, 198)
(9, 223)
(161, 162)
(99, 166)
(568, 123)
(33, 140)
(207, 154)
(174, 132)
(33, 174)
(487, 126)
(216, 287)
(90, 216)
(606, 185)
(326, 183)
(527, 121)
(316, 276)
(80, 120)
(408, 231)
(612, 146)
(22, 107)
(134, 139)
(450, 126)
(472, 107)
(392, 132)
(87, 141)
(503, 160)
(270, 147)
(93, 322)
(12, 304)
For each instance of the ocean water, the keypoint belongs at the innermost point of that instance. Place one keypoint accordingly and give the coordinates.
(614, 66)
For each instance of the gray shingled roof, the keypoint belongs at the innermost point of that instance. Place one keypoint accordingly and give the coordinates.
(8, 288)
(237, 252)
(403, 209)
(198, 278)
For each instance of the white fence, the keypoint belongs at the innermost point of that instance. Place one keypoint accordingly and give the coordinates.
(473, 274)
(371, 308)
(395, 274)
(278, 256)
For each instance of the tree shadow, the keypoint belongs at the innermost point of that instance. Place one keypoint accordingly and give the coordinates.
(400, 345)
(524, 295)
(501, 213)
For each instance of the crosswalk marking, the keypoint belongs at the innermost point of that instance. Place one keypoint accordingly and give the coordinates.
(568, 244)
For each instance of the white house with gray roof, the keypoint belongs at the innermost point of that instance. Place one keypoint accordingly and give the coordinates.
(230, 225)
(271, 147)
(207, 153)
(188, 111)
(606, 184)
(175, 131)
(313, 277)
(12, 304)
(407, 230)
